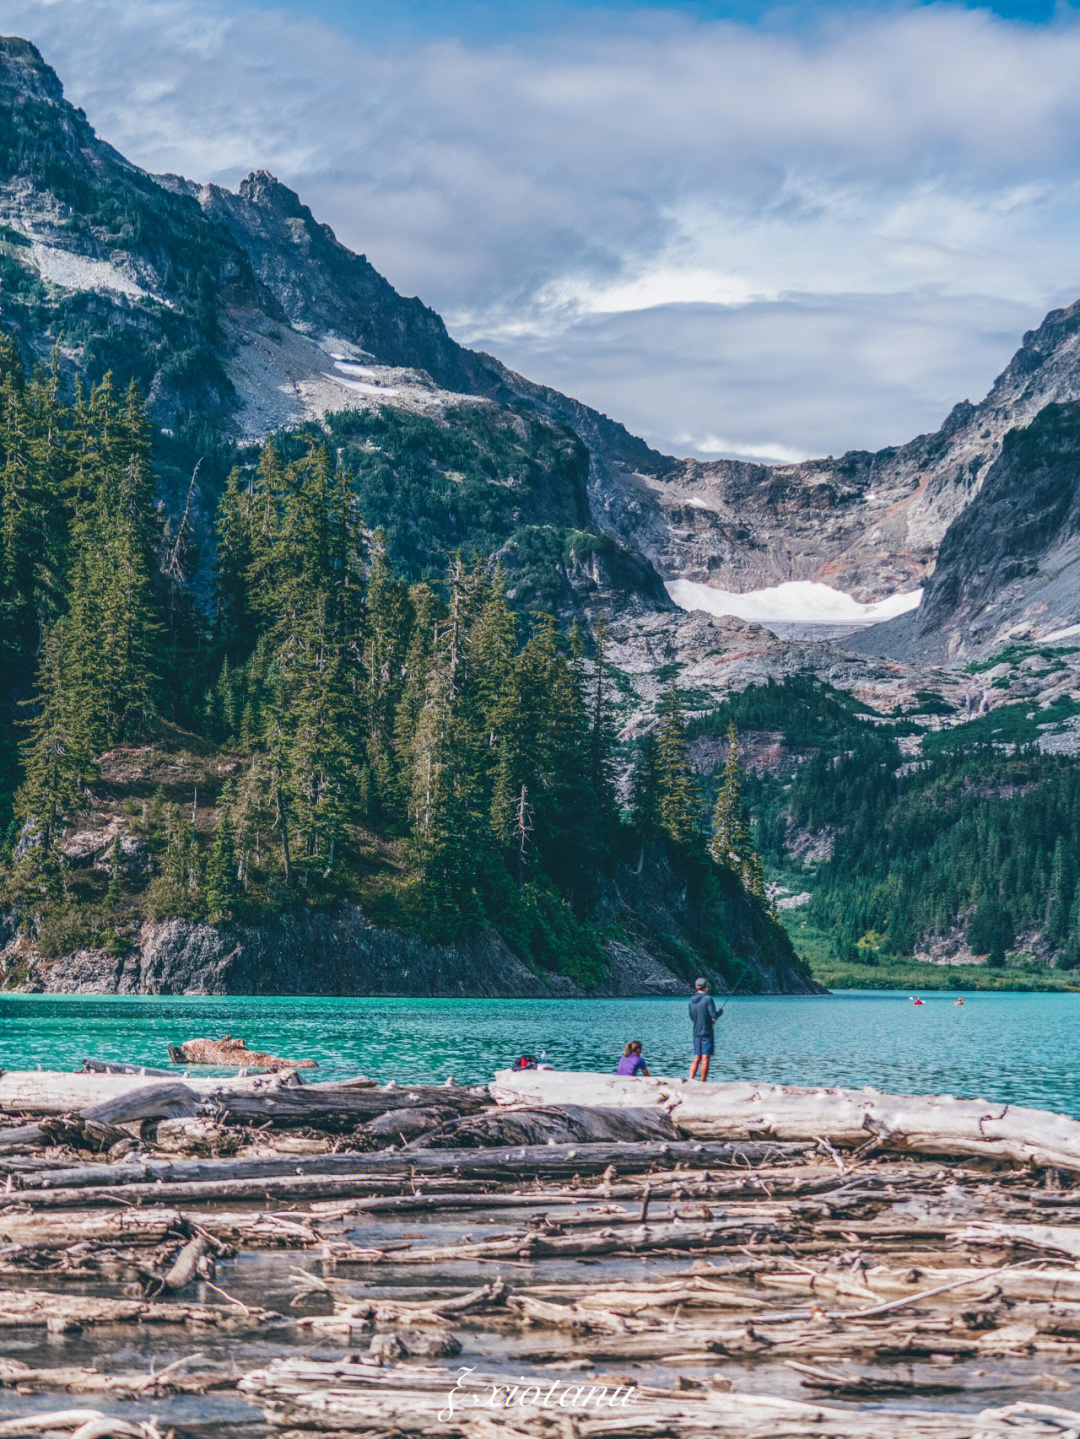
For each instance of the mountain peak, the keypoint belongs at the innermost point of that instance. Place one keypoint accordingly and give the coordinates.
(23, 68)
(267, 191)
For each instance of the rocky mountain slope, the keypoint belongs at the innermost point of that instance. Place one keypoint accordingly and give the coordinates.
(245, 310)
(1009, 564)
(867, 524)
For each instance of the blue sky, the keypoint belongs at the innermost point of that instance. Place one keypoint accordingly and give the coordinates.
(456, 18)
(745, 229)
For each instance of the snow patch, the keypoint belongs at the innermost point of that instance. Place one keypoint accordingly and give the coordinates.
(359, 379)
(1070, 632)
(80, 272)
(799, 602)
(363, 387)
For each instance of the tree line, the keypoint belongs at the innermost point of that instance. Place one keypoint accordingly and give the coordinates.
(972, 839)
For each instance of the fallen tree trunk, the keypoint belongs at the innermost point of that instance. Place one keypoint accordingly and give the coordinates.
(98, 1122)
(232, 1052)
(127, 1226)
(568, 1124)
(847, 1118)
(40, 1308)
(30, 1091)
(343, 1175)
(336, 1107)
(362, 1398)
(174, 1380)
(106, 1066)
(83, 1423)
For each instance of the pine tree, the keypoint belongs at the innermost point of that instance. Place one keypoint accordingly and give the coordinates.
(730, 837)
(677, 794)
(731, 844)
(56, 757)
(221, 883)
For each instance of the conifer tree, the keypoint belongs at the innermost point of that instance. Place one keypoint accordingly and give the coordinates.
(56, 756)
(677, 795)
(221, 884)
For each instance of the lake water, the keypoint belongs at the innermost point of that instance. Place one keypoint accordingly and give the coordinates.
(1023, 1048)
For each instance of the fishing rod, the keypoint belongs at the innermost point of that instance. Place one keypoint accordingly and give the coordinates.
(747, 972)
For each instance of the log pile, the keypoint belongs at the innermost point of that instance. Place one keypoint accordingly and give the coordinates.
(861, 1119)
(720, 1268)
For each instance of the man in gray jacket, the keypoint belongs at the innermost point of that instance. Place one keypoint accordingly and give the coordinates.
(703, 1015)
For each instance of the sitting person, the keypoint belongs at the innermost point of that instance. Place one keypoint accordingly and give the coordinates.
(632, 1061)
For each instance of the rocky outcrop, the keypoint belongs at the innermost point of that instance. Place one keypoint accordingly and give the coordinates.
(1009, 565)
(315, 953)
(323, 288)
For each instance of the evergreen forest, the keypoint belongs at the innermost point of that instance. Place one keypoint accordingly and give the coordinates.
(971, 842)
(372, 725)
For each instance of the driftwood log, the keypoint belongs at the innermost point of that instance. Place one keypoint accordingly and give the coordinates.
(98, 1123)
(363, 1398)
(56, 1092)
(847, 1118)
(232, 1052)
(814, 1285)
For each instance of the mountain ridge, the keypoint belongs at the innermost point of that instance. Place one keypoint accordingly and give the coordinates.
(263, 318)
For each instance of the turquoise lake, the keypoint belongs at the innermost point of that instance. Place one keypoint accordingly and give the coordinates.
(1023, 1048)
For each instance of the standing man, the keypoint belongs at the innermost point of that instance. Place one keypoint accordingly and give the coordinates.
(703, 1015)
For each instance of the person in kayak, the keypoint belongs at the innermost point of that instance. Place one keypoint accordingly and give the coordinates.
(703, 1016)
(632, 1061)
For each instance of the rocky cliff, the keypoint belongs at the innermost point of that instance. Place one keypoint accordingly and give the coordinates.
(1009, 564)
(342, 953)
(868, 524)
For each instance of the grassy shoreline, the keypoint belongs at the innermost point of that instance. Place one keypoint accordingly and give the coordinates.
(813, 945)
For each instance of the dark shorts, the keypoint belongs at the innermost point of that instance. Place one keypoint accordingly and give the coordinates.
(704, 1046)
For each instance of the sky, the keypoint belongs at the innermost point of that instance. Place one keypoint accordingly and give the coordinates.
(757, 230)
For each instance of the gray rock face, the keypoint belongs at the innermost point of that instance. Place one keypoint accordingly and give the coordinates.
(1009, 565)
(869, 524)
(312, 953)
(324, 289)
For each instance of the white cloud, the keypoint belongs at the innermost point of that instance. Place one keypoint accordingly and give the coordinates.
(824, 235)
(766, 451)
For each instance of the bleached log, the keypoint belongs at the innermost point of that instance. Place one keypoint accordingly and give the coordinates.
(124, 1226)
(83, 1424)
(361, 1398)
(192, 1261)
(331, 1107)
(174, 1379)
(847, 1118)
(153, 1100)
(345, 1175)
(568, 1124)
(40, 1308)
(37, 1091)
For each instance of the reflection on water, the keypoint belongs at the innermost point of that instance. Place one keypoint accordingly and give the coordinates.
(1021, 1048)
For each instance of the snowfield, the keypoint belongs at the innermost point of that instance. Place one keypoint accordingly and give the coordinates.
(798, 602)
